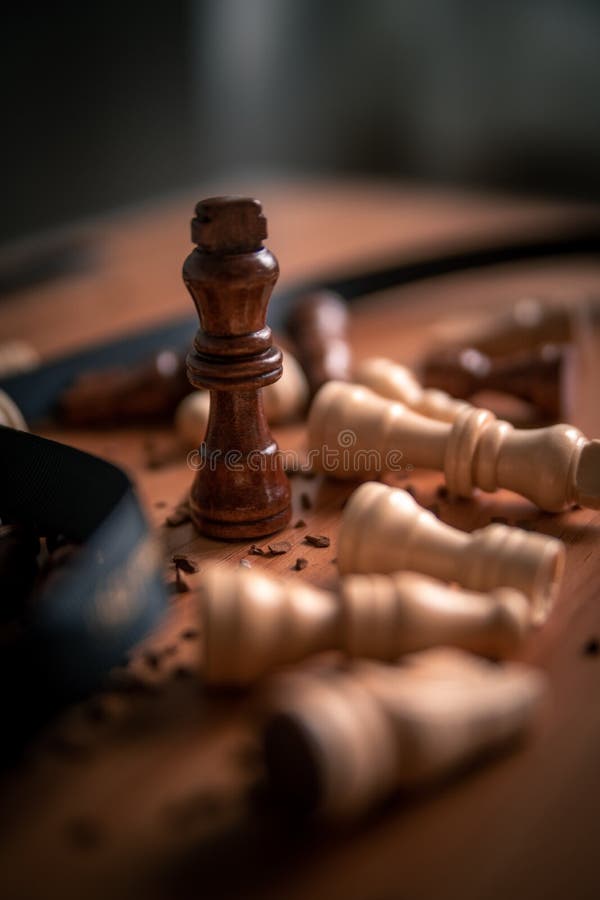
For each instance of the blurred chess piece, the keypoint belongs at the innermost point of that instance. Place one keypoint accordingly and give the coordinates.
(127, 395)
(384, 530)
(254, 622)
(356, 434)
(529, 324)
(191, 419)
(339, 743)
(318, 326)
(396, 382)
(16, 357)
(10, 414)
(286, 400)
(541, 377)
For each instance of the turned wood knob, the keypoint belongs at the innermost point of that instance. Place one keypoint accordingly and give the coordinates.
(283, 401)
(339, 742)
(254, 623)
(356, 434)
(384, 530)
(240, 490)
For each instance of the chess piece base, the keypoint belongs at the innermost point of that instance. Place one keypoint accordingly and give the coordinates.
(232, 530)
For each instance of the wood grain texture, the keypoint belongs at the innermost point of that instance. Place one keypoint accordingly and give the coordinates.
(153, 788)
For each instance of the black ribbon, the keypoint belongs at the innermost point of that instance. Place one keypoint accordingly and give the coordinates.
(96, 605)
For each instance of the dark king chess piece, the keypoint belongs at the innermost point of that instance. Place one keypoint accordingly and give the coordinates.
(241, 490)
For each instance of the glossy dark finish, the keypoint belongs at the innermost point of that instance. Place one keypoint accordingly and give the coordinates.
(318, 325)
(540, 377)
(139, 393)
(241, 491)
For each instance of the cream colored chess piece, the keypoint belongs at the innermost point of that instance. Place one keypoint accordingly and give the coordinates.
(284, 401)
(384, 530)
(254, 622)
(356, 434)
(10, 414)
(191, 419)
(17, 356)
(340, 742)
(396, 382)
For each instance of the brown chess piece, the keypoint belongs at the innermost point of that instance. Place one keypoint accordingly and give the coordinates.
(318, 325)
(240, 490)
(145, 392)
(531, 323)
(541, 376)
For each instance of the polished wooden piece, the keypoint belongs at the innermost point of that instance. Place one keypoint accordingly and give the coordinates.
(318, 326)
(241, 490)
(283, 401)
(344, 741)
(384, 530)
(143, 393)
(357, 434)
(254, 623)
(541, 377)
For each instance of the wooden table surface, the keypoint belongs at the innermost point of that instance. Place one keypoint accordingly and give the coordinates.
(157, 791)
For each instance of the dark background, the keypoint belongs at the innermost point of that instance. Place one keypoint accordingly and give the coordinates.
(106, 104)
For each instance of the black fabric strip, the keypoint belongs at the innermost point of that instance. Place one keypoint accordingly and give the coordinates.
(100, 602)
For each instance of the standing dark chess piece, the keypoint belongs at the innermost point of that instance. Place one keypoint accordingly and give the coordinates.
(241, 490)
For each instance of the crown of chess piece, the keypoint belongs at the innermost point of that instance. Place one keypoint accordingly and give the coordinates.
(541, 376)
(384, 530)
(337, 743)
(284, 401)
(240, 490)
(254, 622)
(356, 434)
(396, 382)
(318, 326)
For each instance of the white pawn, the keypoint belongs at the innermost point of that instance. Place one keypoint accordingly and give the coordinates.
(356, 434)
(191, 419)
(384, 530)
(254, 622)
(339, 742)
(284, 401)
(396, 382)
